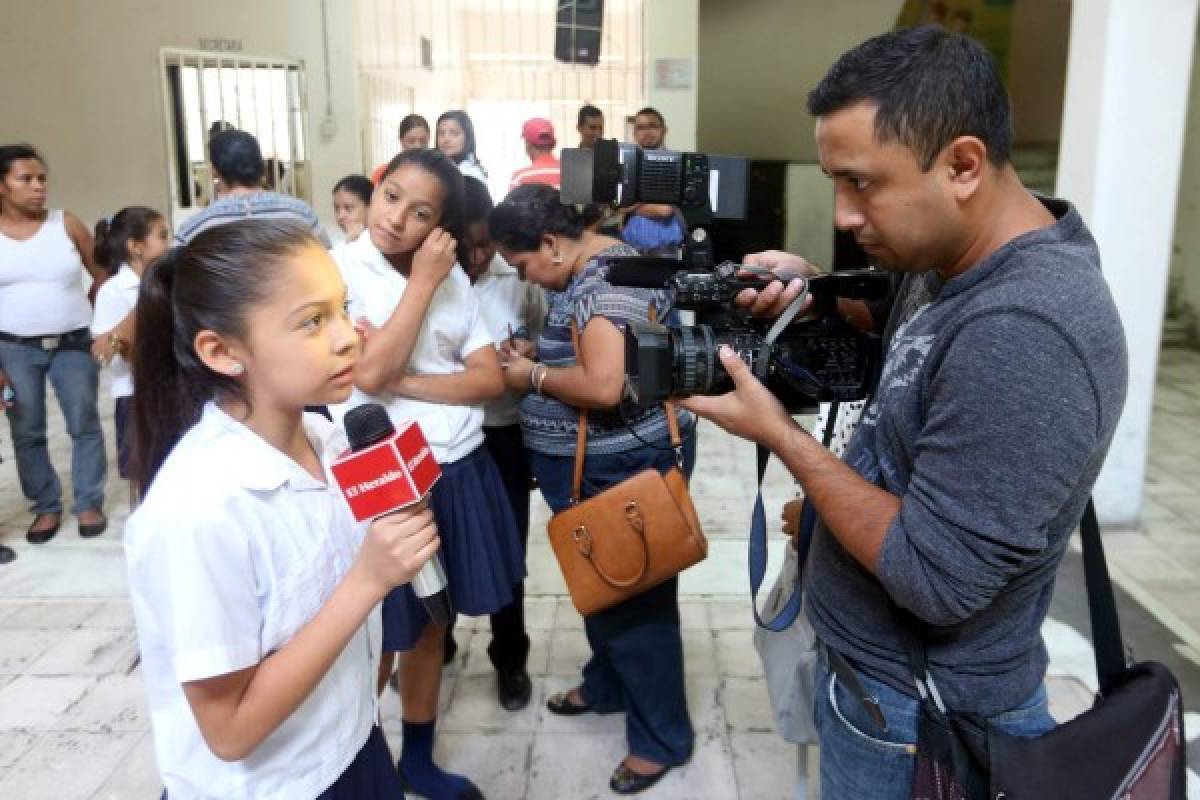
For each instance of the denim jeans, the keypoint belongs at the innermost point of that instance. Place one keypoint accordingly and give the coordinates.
(637, 650)
(861, 761)
(73, 374)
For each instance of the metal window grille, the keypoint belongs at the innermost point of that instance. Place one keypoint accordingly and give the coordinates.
(263, 96)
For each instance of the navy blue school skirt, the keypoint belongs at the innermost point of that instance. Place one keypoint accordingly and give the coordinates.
(370, 776)
(481, 549)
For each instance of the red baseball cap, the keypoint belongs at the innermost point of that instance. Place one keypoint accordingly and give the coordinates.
(538, 132)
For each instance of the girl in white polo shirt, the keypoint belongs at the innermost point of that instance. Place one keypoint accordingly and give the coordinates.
(430, 358)
(253, 589)
(126, 243)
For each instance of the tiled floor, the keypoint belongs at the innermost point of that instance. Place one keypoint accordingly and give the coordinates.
(72, 720)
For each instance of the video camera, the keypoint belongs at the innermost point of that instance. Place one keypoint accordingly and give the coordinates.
(807, 361)
(701, 186)
(817, 358)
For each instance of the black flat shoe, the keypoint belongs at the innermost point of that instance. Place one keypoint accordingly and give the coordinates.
(7, 554)
(561, 704)
(513, 689)
(94, 529)
(626, 781)
(45, 534)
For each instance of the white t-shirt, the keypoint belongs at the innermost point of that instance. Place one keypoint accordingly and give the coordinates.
(116, 297)
(41, 282)
(509, 305)
(453, 329)
(234, 549)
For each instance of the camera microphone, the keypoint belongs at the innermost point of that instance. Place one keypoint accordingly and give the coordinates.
(384, 472)
(643, 272)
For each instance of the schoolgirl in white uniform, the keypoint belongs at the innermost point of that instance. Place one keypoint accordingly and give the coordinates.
(514, 312)
(254, 591)
(429, 357)
(126, 244)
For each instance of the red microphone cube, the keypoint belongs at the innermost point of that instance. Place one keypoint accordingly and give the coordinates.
(390, 474)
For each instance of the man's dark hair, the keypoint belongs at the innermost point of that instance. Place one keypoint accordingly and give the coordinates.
(929, 86)
(654, 112)
(237, 159)
(586, 111)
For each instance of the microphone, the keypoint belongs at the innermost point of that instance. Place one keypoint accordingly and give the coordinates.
(643, 272)
(384, 472)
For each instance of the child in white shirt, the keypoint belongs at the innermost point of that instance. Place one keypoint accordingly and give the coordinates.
(126, 243)
(254, 591)
(429, 357)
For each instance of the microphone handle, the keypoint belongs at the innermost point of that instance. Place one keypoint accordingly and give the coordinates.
(429, 585)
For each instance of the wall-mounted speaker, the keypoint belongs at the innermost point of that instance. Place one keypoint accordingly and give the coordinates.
(577, 31)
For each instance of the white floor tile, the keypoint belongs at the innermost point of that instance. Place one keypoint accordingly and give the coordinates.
(62, 765)
(35, 701)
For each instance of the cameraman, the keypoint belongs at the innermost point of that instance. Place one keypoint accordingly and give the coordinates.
(1004, 377)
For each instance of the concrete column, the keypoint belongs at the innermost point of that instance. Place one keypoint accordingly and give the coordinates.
(670, 31)
(1120, 158)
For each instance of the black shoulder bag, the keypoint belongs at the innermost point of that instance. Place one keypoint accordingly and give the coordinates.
(1128, 746)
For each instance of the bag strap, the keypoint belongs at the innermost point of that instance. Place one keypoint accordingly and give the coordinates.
(757, 551)
(1107, 643)
(585, 543)
(581, 435)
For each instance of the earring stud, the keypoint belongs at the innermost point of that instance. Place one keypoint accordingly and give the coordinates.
(238, 368)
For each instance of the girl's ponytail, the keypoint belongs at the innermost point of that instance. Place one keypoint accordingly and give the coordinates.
(164, 405)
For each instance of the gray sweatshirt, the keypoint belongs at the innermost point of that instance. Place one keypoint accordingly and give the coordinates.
(999, 396)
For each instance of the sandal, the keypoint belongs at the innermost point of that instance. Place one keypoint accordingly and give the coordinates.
(42, 535)
(626, 781)
(560, 703)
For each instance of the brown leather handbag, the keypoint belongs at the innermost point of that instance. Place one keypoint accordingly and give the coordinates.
(632, 536)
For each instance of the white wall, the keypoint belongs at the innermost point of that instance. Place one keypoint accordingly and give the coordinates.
(90, 90)
(671, 33)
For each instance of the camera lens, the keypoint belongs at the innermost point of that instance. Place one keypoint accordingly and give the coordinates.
(694, 359)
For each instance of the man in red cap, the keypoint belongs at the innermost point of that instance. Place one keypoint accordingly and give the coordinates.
(538, 134)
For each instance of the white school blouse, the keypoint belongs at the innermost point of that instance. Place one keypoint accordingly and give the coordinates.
(116, 297)
(509, 305)
(235, 548)
(452, 330)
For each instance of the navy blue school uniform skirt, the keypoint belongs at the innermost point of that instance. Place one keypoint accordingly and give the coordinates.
(370, 776)
(481, 549)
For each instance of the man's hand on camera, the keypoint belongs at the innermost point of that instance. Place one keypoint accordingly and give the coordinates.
(749, 411)
(778, 295)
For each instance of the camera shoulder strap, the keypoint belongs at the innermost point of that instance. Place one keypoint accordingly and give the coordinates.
(757, 551)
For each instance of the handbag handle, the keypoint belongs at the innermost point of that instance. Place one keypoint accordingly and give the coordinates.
(581, 436)
(583, 540)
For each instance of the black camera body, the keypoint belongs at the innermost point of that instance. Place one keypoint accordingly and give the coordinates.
(700, 185)
(819, 358)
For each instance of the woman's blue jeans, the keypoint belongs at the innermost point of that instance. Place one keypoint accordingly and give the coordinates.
(860, 761)
(73, 374)
(637, 650)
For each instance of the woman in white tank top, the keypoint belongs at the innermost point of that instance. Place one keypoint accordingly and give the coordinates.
(44, 318)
